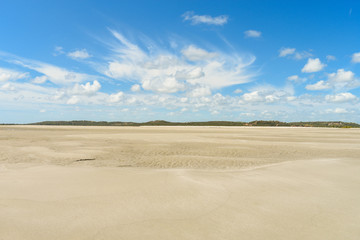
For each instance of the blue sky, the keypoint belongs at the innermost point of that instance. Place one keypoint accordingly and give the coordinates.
(179, 60)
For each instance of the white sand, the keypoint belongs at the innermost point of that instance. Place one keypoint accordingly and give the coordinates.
(225, 183)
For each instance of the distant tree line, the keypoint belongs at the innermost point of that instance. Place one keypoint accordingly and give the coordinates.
(332, 124)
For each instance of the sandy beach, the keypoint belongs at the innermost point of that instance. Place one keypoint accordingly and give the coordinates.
(179, 183)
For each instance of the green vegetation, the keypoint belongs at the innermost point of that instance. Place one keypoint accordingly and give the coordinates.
(209, 123)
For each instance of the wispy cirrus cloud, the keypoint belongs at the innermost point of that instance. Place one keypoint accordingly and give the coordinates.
(10, 75)
(55, 74)
(205, 19)
(161, 71)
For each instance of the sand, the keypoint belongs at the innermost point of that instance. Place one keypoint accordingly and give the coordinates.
(179, 183)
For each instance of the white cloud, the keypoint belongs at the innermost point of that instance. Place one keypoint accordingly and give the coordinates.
(302, 55)
(313, 65)
(58, 50)
(136, 88)
(193, 53)
(121, 70)
(7, 87)
(200, 92)
(40, 79)
(339, 80)
(343, 79)
(86, 89)
(206, 19)
(283, 52)
(238, 90)
(163, 85)
(341, 97)
(85, 92)
(286, 51)
(268, 94)
(196, 72)
(271, 98)
(320, 85)
(296, 78)
(342, 76)
(293, 78)
(356, 58)
(252, 34)
(79, 54)
(11, 75)
(53, 73)
(330, 58)
(163, 72)
(340, 110)
(337, 110)
(116, 97)
(253, 97)
(73, 100)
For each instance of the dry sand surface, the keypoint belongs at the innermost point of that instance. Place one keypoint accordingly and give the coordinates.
(179, 183)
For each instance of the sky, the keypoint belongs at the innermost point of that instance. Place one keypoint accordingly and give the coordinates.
(185, 60)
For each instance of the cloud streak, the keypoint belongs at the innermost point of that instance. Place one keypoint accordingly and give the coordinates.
(205, 19)
(252, 34)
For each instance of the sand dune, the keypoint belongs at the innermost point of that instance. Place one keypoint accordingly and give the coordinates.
(179, 183)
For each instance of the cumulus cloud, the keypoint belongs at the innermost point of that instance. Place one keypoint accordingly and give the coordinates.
(343, 79)
(340, 79)
(267, 95)
(253, 97)
(163, 85)
(320, 85)
(313, 65)
(164, 72)
(86, 89)
(355, 58)
(252, 34)
(341, 97)
(135, 88)
(79, 54)
(205, 19)
(200, 92)
(83, 92)
(342, 76)
(11, 75)
(116, 97)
